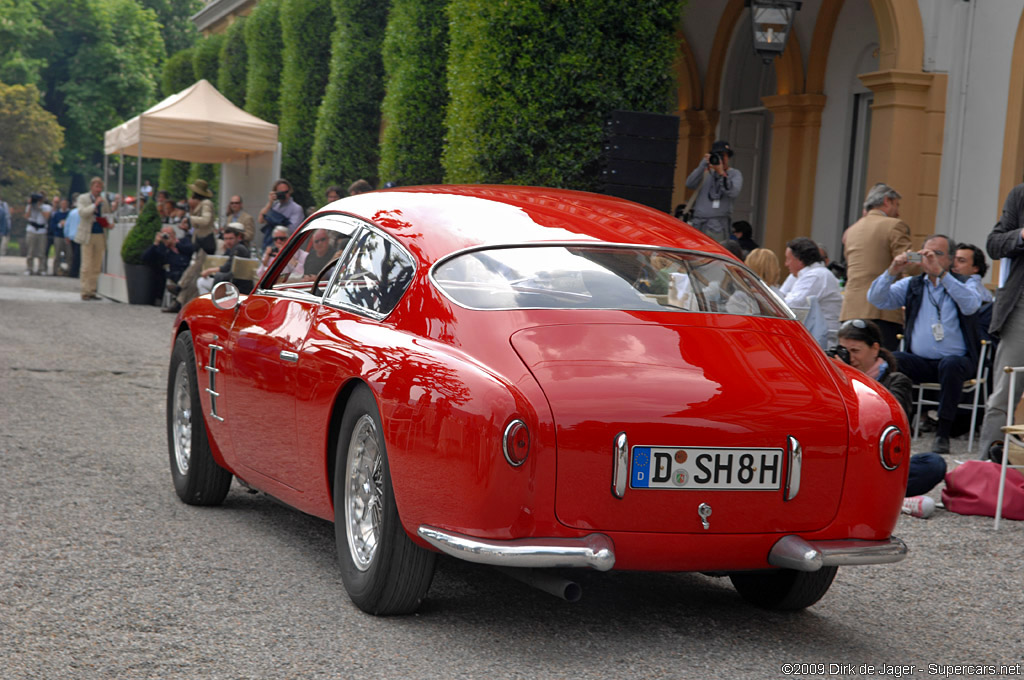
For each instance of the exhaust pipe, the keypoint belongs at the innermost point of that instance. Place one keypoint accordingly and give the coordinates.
(569, 591)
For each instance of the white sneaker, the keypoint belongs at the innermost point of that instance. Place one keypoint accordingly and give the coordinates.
(919, 506)
(28, 272)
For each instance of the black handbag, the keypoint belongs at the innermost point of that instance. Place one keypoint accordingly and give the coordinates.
(276, 219)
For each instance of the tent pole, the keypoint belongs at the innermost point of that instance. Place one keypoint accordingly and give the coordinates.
(138, 177)
(106, 170)
(120, 178)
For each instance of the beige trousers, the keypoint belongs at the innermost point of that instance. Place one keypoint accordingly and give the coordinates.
(92, 262)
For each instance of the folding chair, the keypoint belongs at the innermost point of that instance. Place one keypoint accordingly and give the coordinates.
(977, 385)
(1011, 434)
(243, 273)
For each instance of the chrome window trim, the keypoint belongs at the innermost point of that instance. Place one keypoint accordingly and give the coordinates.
(300, 295)
(597, 244)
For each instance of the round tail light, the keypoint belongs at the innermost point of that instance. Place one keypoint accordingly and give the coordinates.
(516, 444)
(892, 447)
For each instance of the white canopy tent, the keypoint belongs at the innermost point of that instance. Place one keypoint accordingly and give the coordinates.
(201, 125)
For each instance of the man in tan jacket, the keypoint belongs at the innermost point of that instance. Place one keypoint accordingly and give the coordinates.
(871, 244)
(95, 216)
(201, 215)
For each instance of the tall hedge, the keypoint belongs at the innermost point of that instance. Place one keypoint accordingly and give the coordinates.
(178, 74)
(140, 237)
(206, 65)
(347, 145)
(532, 81)
(234, 64)
(416, 92)
(264, 44)
(306, 27)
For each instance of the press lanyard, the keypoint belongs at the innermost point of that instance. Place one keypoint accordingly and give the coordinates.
(931, 298)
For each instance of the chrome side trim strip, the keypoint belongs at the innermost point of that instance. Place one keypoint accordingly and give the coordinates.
(796, 459)
(289, 356)
(793, 552)
(594, 550)
(620, 471)
(212, 389)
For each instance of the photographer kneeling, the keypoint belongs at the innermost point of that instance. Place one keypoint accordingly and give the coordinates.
(170, 255)
(860, 346)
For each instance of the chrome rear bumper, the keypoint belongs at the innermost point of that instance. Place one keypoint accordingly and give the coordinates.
(793, 552)
(594, 550)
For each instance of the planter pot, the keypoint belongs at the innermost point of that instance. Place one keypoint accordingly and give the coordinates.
(145, 284)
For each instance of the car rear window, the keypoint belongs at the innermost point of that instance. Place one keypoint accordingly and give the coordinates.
(588, 277)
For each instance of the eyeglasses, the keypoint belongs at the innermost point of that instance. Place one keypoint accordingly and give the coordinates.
(280, 238)
(856, 323)
(234, 203)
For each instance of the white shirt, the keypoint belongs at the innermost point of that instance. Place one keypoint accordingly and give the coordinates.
(815, 279)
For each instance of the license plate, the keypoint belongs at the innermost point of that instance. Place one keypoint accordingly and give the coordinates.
(702, 467)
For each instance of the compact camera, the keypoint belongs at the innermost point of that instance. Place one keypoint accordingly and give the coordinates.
(281, 195)
(839, 351)
(913, 257)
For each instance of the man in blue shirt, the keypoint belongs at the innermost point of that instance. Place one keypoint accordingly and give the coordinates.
(941, 336)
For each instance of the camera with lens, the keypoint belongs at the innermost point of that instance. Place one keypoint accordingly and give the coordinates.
(714, 158)
(274, 251)
(281, 195)
(35, 198)
(839, 351)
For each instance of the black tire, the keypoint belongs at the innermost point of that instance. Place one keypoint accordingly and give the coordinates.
(198, 480)
(783, 589)
(383, 571)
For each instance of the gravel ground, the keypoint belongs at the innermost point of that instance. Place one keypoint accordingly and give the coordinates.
(106, 575)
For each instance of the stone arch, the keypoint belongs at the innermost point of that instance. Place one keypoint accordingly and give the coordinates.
(689, 92)
(1012, 170)
(900, 34)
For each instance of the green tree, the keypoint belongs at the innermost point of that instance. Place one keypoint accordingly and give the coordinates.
(102, 67)
(22, 34)
(306, 29)
(264, 44)
(346, 146)
(415, 58)
(532, 82)
(178, 74)
(234, 63)
(30, 143)
(176, 26)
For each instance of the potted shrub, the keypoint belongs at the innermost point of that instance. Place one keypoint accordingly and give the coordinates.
(145, 283)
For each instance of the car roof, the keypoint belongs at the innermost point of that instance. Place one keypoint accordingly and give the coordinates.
(435, 221)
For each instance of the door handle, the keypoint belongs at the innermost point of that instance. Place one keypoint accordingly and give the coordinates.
(290, 356)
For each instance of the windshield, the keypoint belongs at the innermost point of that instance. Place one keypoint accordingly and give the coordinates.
(589, 277)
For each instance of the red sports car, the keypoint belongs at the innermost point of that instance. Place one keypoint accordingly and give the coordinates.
(534, 378)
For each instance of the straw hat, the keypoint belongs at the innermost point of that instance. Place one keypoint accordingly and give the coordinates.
(201, 187)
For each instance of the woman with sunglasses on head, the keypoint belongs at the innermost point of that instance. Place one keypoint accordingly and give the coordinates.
(862, 339)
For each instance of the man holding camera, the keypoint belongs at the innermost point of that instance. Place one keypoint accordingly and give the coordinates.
(37, 212)
(169, 254)
(280, 211)
(942, 341)
(717, 187)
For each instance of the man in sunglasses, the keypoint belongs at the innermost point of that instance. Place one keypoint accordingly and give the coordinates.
(237, 214)
(942, 340)
(278, 238)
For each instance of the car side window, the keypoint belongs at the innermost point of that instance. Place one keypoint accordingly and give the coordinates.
(307, 253)
(374, 274)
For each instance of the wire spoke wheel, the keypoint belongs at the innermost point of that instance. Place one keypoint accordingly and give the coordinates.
(364, 493)
(181, 422)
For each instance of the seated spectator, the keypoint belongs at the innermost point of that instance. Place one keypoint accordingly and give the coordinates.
(233, 247)
(170, 255)
(734, 247)
(970, 263)
(807, 278)
(765, 264)
(319, 255)
(838, 270)
(743, 233)
(360, 186)
(294, 268)
(941, 338)
(863, 340)
(333, 193)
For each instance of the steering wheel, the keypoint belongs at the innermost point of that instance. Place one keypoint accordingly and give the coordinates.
(323, 274)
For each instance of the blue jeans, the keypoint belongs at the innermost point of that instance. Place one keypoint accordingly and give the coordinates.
(926, 470)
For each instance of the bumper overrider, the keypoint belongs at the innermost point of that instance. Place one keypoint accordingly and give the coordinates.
(597, 551)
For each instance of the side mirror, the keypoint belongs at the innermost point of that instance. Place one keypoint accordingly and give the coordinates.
(224, 296)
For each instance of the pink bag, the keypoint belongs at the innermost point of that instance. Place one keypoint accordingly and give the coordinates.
(973, 487)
